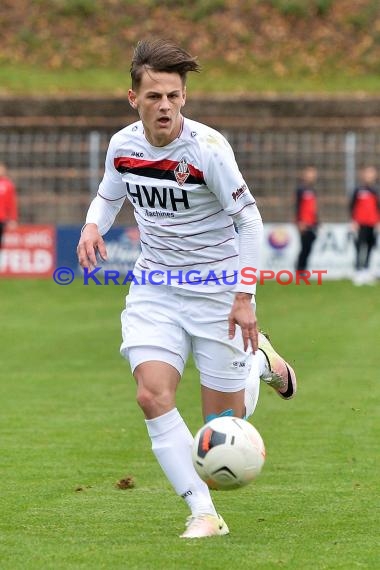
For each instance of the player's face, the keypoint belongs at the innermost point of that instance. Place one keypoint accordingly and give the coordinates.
(369, 175)
(159, 100)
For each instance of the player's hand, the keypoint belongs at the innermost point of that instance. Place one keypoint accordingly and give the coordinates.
(89, 244)
(11, 225)
(354, 227)
(242, 314)
(301, 227)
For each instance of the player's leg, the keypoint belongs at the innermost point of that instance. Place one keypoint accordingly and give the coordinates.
(304, 251)
(223, 367)
(370, 242)
(357, 275)
(216, 403)
(361, 248)
(171, 439)
(307, 240)
(157, 370)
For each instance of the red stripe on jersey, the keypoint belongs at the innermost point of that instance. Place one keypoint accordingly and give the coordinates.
(164, 165)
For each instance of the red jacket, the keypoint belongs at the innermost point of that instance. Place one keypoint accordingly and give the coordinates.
(306, 206)
(365, 206)
(8, 201)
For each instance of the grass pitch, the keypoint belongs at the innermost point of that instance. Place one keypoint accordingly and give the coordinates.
(70, 429)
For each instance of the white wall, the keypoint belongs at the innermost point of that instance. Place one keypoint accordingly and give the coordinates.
(332, 250)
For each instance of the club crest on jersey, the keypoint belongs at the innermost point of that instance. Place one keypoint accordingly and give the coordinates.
(182, 172)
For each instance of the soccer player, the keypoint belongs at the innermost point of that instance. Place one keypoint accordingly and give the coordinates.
(8, 202)
(187, 192)
(306, 214)
(365, 215)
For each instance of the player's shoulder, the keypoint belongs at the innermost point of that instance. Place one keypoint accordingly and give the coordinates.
(129, 132)
(203, 135)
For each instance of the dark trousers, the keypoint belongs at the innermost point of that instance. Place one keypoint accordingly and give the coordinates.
(307, 239)
(2, 225)
(364, 243)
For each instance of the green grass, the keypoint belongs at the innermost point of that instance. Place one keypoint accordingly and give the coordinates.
(69, 420)
(215, 78)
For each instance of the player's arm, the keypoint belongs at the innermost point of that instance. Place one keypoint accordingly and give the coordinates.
(89, 244)
(299, 198)
(100, 217)
(101, 213)
(354, 224)
(224, 179)
(250, 234)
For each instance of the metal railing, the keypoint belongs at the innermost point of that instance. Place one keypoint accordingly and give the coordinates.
(57, 171)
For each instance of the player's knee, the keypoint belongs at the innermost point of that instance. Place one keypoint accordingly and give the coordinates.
(152, 402)
(145, 398)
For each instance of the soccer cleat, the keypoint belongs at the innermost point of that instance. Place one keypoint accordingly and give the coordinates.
(280, 376)
(202, 526)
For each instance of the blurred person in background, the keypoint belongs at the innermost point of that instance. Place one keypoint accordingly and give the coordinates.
(306, 214)
(365, 219)
(8, 202)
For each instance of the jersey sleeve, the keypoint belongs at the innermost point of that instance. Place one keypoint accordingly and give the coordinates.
(299, 193)
(112, 186)
(111, 194)
(353, 201)
(222, 174)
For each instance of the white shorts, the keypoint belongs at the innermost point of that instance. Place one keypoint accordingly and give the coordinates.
(167, 323)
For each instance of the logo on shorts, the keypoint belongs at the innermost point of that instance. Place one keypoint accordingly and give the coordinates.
(239, 364)
(182, 172)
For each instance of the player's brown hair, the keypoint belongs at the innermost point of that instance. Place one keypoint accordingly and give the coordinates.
(161, 55)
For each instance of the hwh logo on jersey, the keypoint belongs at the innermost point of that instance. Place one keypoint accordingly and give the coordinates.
(164, 198)
(182, 172)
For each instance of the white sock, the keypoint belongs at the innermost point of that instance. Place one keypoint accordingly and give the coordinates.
(262, 362)
(172, 443)
(252, 386)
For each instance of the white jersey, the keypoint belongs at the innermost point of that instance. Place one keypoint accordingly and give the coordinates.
(184, 195)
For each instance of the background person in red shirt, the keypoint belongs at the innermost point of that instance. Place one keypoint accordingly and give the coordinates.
(8, 202)
(306, 214)
(365, 216)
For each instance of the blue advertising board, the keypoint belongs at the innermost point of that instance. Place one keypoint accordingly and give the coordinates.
(122, 243)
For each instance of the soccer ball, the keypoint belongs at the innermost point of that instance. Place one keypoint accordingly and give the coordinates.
(228, 453)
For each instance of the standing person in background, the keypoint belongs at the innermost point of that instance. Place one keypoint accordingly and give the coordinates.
(365, 216)
(8, 202)
(306, 214)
